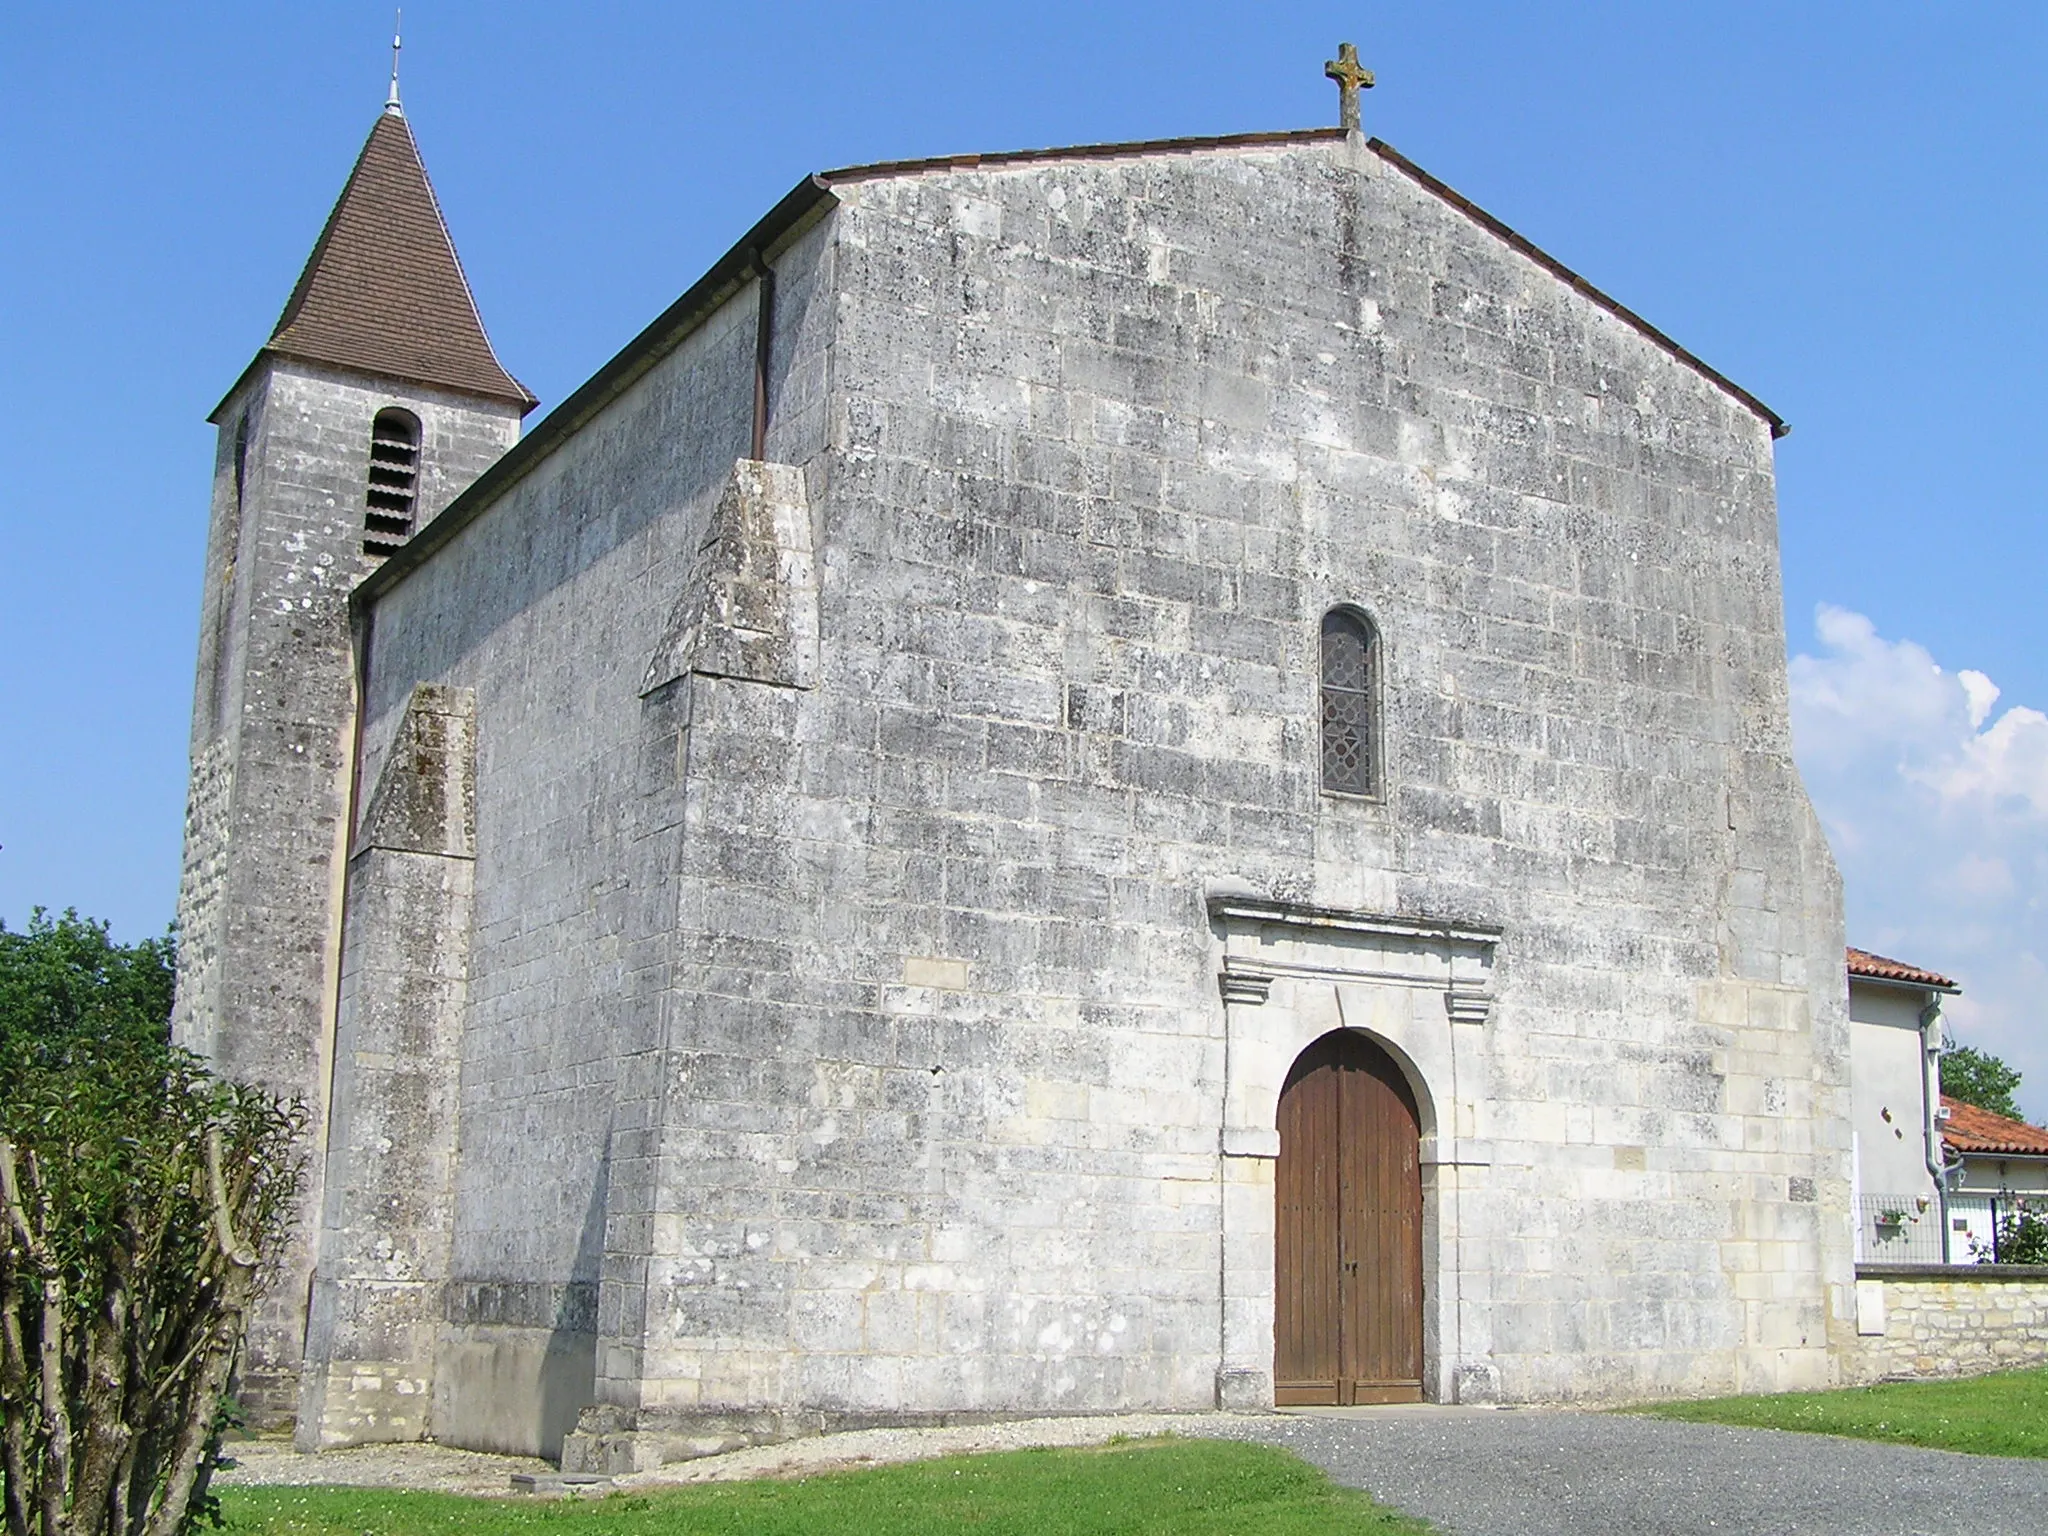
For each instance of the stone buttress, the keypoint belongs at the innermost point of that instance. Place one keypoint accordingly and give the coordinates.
(389, 1216)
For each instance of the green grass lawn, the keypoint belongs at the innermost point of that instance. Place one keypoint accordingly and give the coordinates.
(1182, 1487)
(2001, 1415)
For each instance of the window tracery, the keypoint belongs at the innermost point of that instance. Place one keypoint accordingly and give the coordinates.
(1350, 677)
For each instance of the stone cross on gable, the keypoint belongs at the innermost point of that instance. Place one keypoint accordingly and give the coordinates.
(1350, 78)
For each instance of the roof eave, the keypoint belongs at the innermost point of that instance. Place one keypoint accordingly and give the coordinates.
(807, 201)
(524, 400)
(2003, 1154)
(1947, 988)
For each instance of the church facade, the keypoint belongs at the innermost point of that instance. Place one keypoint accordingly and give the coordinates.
(1143, 776)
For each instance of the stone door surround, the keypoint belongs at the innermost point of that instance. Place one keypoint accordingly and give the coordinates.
(1422, 990)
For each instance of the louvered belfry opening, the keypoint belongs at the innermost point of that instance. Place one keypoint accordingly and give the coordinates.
(394, 481)
(1350, 664)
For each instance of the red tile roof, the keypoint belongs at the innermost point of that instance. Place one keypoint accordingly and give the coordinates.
(1863, 963)
(383, 292)
(1970, 1129)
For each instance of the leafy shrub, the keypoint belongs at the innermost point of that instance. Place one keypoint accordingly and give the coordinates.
(2022, 1235)
(139, 1195)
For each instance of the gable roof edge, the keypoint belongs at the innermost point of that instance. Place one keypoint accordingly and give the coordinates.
(1442, 190)
(1778, 425)
(1274, 139)
(806, 202)
(809, 197)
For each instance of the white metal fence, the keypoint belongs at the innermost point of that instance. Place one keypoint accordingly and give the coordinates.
(1907, 1229)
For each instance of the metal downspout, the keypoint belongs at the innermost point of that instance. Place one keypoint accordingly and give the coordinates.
(1930, 1101)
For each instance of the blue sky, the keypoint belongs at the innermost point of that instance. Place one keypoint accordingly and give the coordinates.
(1839, 206)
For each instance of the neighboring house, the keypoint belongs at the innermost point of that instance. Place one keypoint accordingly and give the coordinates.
(1993, 1161)
(1895, 1083)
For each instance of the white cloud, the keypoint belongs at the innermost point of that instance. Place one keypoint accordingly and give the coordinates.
(2006, 765)
(1869, 694)
(1868, 699)
(1979, 877)
(1937, 808)
(1983, 693)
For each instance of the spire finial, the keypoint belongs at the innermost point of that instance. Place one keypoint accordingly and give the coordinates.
(391, 102)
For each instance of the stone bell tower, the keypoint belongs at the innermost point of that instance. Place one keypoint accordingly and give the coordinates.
(375, 402)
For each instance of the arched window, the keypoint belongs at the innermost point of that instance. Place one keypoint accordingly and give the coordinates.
(394, 481)
(1351, 663)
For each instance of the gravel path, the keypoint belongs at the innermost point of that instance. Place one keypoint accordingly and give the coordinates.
(272, 1463)
(1475, 1472)
(877, 1447)
(1553, 1473)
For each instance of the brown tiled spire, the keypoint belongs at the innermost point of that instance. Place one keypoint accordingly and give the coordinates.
(383, 292)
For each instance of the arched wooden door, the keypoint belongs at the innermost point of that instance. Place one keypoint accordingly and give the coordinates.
(1347, 1263)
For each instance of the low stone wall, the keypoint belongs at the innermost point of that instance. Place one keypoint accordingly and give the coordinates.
(1921, 1320)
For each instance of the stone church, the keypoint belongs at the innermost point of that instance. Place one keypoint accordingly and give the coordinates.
(1150, 775)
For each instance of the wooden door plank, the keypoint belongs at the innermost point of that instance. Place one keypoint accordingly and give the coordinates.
(1380, 1229)
(1306, 1336)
